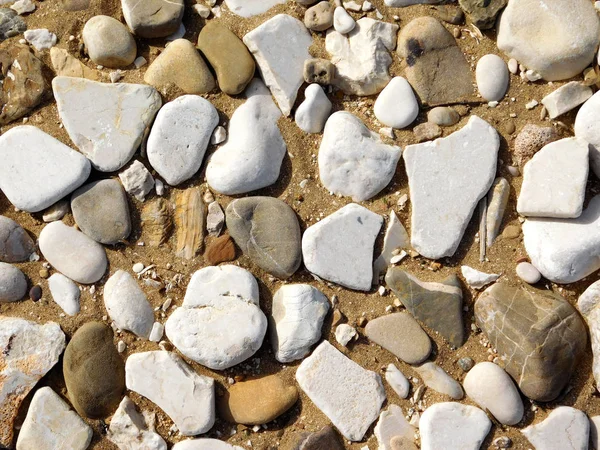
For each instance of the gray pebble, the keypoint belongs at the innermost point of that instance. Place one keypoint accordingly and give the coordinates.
(528, 273)
(10, 24)
(443, 116)
(466, 363)
(15, 243)
(13, 284)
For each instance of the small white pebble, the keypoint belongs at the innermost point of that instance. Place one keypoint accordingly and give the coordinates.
(157, 332)
(493, 104)
(218, 136)
(513, 66)
(159, 186)
(115, 76)
(303, 183)
(138, 267)
(528, 273)
(532, 104)
(140, 61)
(399, 257)
(381, 290)
(387, 132)
(532, 75)
(514, 171)
(121, 346)
(202, 10)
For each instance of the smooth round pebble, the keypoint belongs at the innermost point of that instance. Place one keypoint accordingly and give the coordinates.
(397, 105)
(65, 293)
(342, 21)
(35, 293)
(443, 116)
(13, 284)
(137, 267)
(313, 112)
(108, 42)
(528, 273)
(492, 77)
(465, 364)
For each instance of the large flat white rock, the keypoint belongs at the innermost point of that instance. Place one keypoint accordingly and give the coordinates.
(249, 8)
(339, 248)
(589, 307)
(565, 428)
(165, 379)
(131, 430)
(345, 392)
(105, 121)
(447, 178)
(352, 159)
(280, 47)
(586, 127)
(554, 180)
(37, 170)
(565, 250)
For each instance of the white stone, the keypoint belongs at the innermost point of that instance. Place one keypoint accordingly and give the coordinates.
(343, 22)
(586, 127)
(353, 161)
(558, 39)
(313, 112)
(353, 6)
(453, 426)
(202, 10)
(492, 388)
(165, 379)
(220, 323)
(65, 293)
(403, 3)
(554, 180)
(180, 136)
(24, 6)
(588, 305)
(447, 178)
(127, 304)
(395, 238)
(344, 333)
(565, 250)
(29, 155)
(13, 284)
(51, 424)
(57, 211)
(205, 444)
(41, 39)
(397, 381)
(528, 273)
(564, 428)
(214, 219)
(137, 180)
(477, 279)
(594, 424)
(105, 121)
(298, 314)
(251, 158)
(350, 396)
(158, 330)
(280, 47)
(130, 430)
(492, 78)
(396, 106)
(73, 253)
(513, 66)
(339, 248)
(392, 423)
(567, 97)
(362, 57)
(218, 136)
(249, 8)
(437, 379)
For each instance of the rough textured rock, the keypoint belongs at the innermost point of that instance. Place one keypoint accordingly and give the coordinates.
(317, 70)
(267, 230)
(130, 430)
(157, 222)
(66, 65)
(11, 24)
(137, 180)
(108, 42)
(189, 223)
(319, 17)
(477, 279)
(437, 305)
(13, 284)
(220, 250)
(539, 336)
(15, 243)
(586, 128)
(531, 139)
(564, 428)
(482, 14)
(153, 18)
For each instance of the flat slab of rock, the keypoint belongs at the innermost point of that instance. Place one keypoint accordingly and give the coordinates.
(121, 112)
(362, 57)
(438, 379)
(134, 431)
(400, 334)
(339, 248)
(350, 396)
(51, 424)
(539, 336)
(554, 180)
(588, 305)
(65, 293)
(30, 155)
(165, 379)
(467, 159)
(453, 426)
(437, 305)
(153, 18)
(477, 279)
(280, 47)
(27, 352)
(13, 284)
(392, 423)
(566, 98)
(15, 243)
(190, 212)
(564, 428)
(251, 159)
(180, 135)
(564, 250)
(249, 8)
(434, 64)
(522, 34)
(73, 253)
(220, 323)
(353, 160)
(267, 230)
(585, 128)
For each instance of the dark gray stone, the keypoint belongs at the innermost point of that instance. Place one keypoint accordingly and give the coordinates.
(482, 13)
(15, 243)
(11, 24)
(13, 284)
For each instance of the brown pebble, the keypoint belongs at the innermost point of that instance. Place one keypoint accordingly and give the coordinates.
(362, 322)
(427, 131)
(511, 232)
(522, 259)
(35, 293)
(456, 33)
(220, 250)
(510, 127)
(338, 317)
(44, 273)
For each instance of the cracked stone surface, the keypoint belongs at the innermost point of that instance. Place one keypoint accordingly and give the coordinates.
(15, 243)
(565, 428)
(539, 336)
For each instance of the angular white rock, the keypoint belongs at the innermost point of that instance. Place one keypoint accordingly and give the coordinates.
(554, 180)
(353, 160)
(251, 158)
(298, 314)
(466, 161)
(158, 330)
(127, 304)
(350, 396)
(437, 379)
(131, 430)
(395, 238)
(589, 307)
(344, 333)
(586, 127)
(343, 22)
(313, 112)
(565, 250)
(28, 156)
(249, 8)
(564, 428)
(105, 121)
(362, 57)
(205, 444)
(397, 381)
(396, 106)
(280, 47)
(65, 293)
(339, 248)
(22, 6)
(73, 253)
(179, 137)
(165, 379)
(492, 78)
(220, 323)
(392, 423)
(492, 388)
(51, 424)
(477, 279)
(218, 136)
(137, 180)
(214, 219)
(566, 98)
(453, 426)
(41, 39)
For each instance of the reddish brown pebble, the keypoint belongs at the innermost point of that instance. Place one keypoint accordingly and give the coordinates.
(35, 293)
(220, 250)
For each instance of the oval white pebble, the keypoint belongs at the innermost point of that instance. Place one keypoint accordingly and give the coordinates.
(396, 106)
(65, 293)
(528, 273)
(397, 381)
(492, 77)
(342, 21)
(313, 112)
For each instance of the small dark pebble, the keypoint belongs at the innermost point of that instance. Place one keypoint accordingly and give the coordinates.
(451, 14)
(35, 293)
(466, 364)
(503, 442)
